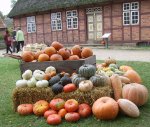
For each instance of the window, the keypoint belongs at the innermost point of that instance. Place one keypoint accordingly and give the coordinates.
(31, 27)
(56, 22)
(131, 13)
(72, 19)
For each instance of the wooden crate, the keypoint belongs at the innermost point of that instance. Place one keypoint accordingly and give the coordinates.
(67, 65)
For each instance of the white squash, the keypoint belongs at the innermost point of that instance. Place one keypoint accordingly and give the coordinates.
(42, 83)
(27, 74)
(21, 83)
(38, 74)
(50, 69)
(128, 108)
(85, 85)
(31, 82)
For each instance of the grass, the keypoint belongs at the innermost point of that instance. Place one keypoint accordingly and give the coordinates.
(9, 73)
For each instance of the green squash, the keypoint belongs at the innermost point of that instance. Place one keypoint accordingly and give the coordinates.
(87, 70)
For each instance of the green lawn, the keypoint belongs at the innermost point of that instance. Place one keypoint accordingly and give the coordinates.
(9, 73)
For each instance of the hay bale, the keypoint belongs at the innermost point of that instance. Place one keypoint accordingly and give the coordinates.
(31, 95)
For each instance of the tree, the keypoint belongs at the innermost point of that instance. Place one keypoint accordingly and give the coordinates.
(13, 2)
(1, 15)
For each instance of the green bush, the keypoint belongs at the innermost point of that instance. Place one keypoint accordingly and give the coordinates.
(1, 37)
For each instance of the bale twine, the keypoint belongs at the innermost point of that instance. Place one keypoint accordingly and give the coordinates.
(31, 95)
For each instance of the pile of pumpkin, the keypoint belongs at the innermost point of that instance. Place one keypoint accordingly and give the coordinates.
(129, 93)
(85, 80)
(56, 52)
(56, 110)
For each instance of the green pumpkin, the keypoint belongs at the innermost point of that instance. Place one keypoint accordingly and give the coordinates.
(57, 88)
(65, 80)
(54, 80)
(100, 80)
(87, 70)
(77, 78)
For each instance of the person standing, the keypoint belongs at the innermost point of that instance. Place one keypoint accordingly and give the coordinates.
(14, 42)
(19, 39)
(8, 40)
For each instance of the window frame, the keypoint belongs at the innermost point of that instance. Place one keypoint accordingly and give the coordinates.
(30, 23)
(130, 11)
(56, 19)
(72, 17)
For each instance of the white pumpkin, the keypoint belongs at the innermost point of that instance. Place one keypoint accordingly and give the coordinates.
(31, 82)
(85, 85)
(21, 83)
(42, 83)
(27, 74)
(38, 74)
(50, 69)
(128, 108)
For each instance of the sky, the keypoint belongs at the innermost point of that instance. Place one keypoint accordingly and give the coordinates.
(5, 6)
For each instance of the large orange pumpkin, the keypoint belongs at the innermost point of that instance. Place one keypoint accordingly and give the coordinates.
(86, 52)
(27, 56)
(76, 50)
(25, 109)
(105, 108)
(57, 45)
(133, 76)
(43, 57)
(50, 51)
(56, 57)
(136, 93)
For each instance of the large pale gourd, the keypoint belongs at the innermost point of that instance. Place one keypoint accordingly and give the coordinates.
(136, 93)
(128, 108)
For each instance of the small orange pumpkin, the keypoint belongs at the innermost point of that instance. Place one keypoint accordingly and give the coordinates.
(56, 57)
(43, 57)
(86, 52)
(25, 109)
(74, 57)
(133, 76)
(50, 51)
(36, 55)
(27, 56)
(125, 68)
(65, 53)
(76, 50)
(57, 45)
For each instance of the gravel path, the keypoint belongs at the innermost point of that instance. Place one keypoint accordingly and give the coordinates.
(126, 55)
